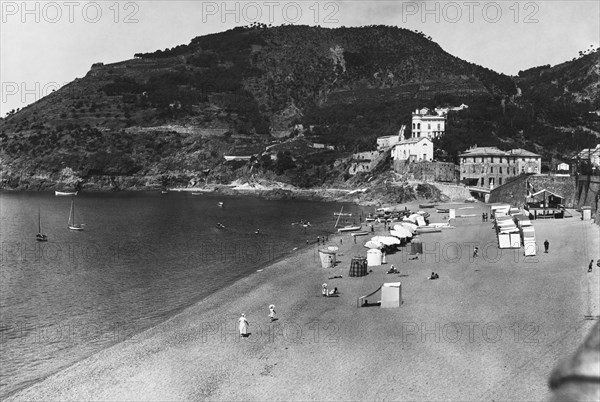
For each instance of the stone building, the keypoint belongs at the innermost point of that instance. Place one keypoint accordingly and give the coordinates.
(491, 167)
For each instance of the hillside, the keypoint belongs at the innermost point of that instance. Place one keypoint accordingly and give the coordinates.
(167, 118)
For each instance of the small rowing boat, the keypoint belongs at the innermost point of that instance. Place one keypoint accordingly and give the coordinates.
(443, 210)
(348, 229)
(426, 205)
(341, 214)
(359, 233)
(427, 229)
(65, 193)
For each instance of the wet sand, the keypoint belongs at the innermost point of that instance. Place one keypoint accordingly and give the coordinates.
(490, 328)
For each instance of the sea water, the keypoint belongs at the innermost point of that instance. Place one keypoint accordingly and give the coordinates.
(142, 258)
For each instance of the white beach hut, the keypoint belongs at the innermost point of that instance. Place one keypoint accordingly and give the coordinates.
(374, 257)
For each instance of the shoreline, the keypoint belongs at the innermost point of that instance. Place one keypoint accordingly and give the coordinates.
(197, 353)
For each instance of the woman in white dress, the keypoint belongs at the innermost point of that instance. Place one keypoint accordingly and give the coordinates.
(243, 325)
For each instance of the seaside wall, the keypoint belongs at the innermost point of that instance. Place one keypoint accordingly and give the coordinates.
(427, 171)
(515, 191)
(454, 192)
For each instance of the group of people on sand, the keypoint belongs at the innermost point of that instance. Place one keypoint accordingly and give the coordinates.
(433, 276)
(326, 293)
(244, 325)
(484, 217)
(393, 270)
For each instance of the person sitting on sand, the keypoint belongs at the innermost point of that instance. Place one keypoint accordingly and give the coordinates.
(365, 303)
(324, 290)
(590, 266)
(432, 276)
(392, 270)
(475, 252)
(333, 292)
(436, 276)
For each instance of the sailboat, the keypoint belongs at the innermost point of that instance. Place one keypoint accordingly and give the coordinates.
(71, 224)
(40, 236)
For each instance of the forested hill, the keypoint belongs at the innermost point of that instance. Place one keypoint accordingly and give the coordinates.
(168, 115)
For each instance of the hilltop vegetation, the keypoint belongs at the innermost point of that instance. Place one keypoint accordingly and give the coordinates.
(168, 117)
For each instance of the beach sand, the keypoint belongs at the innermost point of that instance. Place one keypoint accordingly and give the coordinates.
(490, 328)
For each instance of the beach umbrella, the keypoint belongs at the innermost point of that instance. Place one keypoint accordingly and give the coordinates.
(402, 233)
(386, 240)
(408, 225)
(373, 244)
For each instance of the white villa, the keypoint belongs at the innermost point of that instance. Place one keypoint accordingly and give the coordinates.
(387, 142)
(425, 124)
(413, 150)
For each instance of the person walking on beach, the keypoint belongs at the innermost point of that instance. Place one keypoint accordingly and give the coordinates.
(483, 217)
(324, 290)
(590, 266)
(243, 325)
(546, 245)
(272, 312)
(475, 252)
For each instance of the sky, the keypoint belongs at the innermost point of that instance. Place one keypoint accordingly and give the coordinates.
(46, 44)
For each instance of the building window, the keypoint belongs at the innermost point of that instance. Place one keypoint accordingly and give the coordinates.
(413, 126)
(492, 159)
(429, 127)
(439, 126)
(418, 126)
(499, 181)
(500, 170)
(491, 169)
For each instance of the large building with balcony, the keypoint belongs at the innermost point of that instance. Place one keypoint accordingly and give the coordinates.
(491, 167)
(426, 124)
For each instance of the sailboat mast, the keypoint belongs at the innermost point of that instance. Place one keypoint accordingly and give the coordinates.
(39, 221)
(338, 219)
(70, 214)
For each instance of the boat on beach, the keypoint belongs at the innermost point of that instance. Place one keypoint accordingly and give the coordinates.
(359, 233)
(348, 229)
(443, 210)
(426, 205)
(71, 223)
(65, 193)
(427, 229)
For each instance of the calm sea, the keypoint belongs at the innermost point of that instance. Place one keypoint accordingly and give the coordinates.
(142, 258)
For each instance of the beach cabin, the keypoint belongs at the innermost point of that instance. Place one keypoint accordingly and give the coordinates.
(374, 257)
(391, 295)
(499, 210)
(328, 258)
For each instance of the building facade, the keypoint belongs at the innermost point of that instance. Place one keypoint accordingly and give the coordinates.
(491, 167)
(527, 162)
(425, 124)
(363, 162)
(591, 154)
(413, 150)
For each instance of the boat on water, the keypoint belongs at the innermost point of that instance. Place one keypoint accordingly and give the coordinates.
(348, 229)
(164, 192)
(341, 214)
(196, 193)
(426, 205)
(40, 236)
(220, 204)
(65, 193)
(71, 224)
(220, 226)
(443, 210)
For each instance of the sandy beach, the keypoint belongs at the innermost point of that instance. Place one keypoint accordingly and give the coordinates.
(490, 328)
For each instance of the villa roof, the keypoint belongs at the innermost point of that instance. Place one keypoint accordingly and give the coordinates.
(412, 141)
(484, 151)
(521, 152)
